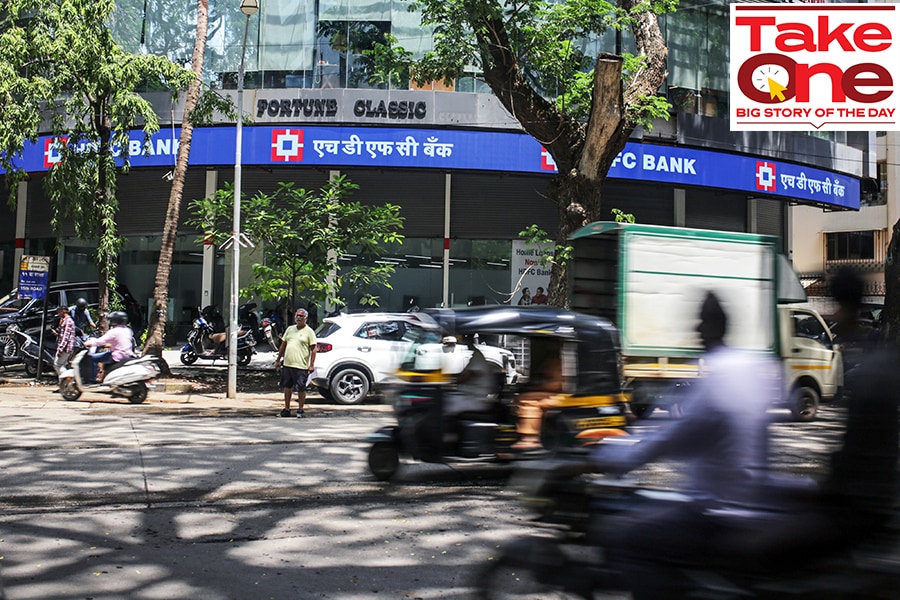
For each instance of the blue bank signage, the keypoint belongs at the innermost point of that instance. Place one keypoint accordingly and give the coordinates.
(472, 150)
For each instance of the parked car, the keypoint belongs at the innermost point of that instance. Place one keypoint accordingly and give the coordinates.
(357, 353)
(26, 313)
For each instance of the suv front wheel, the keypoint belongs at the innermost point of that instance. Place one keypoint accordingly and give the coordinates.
(350, 386)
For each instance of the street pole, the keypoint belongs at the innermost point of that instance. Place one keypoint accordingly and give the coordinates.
(248, 7)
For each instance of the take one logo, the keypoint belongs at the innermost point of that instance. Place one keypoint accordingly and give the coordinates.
(805, 67)
(547, 162)
(765, 176)
(287, 145)
(52, 153)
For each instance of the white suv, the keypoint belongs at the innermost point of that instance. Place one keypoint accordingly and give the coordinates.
(356, 353)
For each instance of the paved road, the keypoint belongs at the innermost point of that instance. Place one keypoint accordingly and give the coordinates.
(198, 496)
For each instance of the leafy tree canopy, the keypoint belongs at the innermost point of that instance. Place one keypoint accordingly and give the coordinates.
(304, 234)
(542, 60)
(63, 73)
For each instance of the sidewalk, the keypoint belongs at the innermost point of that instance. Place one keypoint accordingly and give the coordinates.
(177, 397)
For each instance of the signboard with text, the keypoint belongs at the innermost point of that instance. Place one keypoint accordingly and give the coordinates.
(34, 277)
(806, 67)
(450, 149)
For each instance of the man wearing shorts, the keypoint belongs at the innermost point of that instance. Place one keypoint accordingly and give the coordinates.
(296, 360)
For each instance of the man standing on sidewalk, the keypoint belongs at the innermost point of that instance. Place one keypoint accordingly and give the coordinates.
(65, 342)
(296, 360)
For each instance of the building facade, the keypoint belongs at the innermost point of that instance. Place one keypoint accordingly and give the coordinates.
(465, 176)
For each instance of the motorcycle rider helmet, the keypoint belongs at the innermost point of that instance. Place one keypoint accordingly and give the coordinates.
(81, 303)
(118, 317)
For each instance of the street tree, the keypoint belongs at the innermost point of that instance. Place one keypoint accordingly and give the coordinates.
(197, 108)
(534, 56)
(304, 234)
(64, 73)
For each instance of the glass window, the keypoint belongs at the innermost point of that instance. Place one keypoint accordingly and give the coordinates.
(807, 326)
(288, 35)
(850, 245)
(340, 48)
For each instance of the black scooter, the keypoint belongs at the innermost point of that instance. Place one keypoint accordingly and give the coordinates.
(201, 344)
(31, 351)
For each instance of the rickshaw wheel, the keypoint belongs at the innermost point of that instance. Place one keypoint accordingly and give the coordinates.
(384, 458)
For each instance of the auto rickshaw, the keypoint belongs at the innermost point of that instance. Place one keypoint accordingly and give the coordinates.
(441, 420)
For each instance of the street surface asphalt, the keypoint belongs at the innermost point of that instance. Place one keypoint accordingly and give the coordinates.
(197, 496)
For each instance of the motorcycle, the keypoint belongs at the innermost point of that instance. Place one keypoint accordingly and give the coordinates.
(202, 342)
(569, 562)
(248, 319)
(272, 327)
(126, 379)
(30, 351)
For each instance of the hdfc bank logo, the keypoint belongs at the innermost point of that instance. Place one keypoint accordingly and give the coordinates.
(547, 162)
(765, 176)
(800, 67)
(52, 154)
(287, 145)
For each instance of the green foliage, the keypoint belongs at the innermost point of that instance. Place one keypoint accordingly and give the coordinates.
(537, 238)
(63, 73)
(621, 216)
(304, 235)
(390, 63)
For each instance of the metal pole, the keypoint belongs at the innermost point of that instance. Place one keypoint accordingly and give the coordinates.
(236, 233)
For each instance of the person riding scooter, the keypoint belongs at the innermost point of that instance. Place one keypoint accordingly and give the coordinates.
(723, 436)
(119, 339)
(81, 315)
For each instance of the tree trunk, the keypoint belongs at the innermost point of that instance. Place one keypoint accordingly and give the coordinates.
(157, 320)
(109, 243)
(890, 317)
(578, 200)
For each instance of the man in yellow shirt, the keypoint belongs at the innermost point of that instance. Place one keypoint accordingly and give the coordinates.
(296, 361)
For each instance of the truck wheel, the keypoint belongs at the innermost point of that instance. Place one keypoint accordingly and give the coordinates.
(384, 458)
(804, 403)
(350, 386)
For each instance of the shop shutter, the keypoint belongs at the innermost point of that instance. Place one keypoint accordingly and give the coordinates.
(715, 210)
(770, 217)
(492, 206)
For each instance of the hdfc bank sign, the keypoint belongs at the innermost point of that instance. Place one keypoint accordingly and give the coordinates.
(799, 67)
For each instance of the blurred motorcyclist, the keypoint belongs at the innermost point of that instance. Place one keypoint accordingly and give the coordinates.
(81, 315)
(858, 496)
(723, 436)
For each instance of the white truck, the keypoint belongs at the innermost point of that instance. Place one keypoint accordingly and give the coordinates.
(650, 281)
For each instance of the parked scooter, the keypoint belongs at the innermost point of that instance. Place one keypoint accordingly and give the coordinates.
(203, 340)
(126, 379)
(30, 351)
(248, 319)
(273, 327)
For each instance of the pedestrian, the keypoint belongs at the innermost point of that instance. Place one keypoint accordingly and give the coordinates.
(539, 297)
(296, 361)
(65, 343)
(81, 315)
(525, 300)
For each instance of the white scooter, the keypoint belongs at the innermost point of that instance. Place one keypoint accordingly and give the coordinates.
(126, 379)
